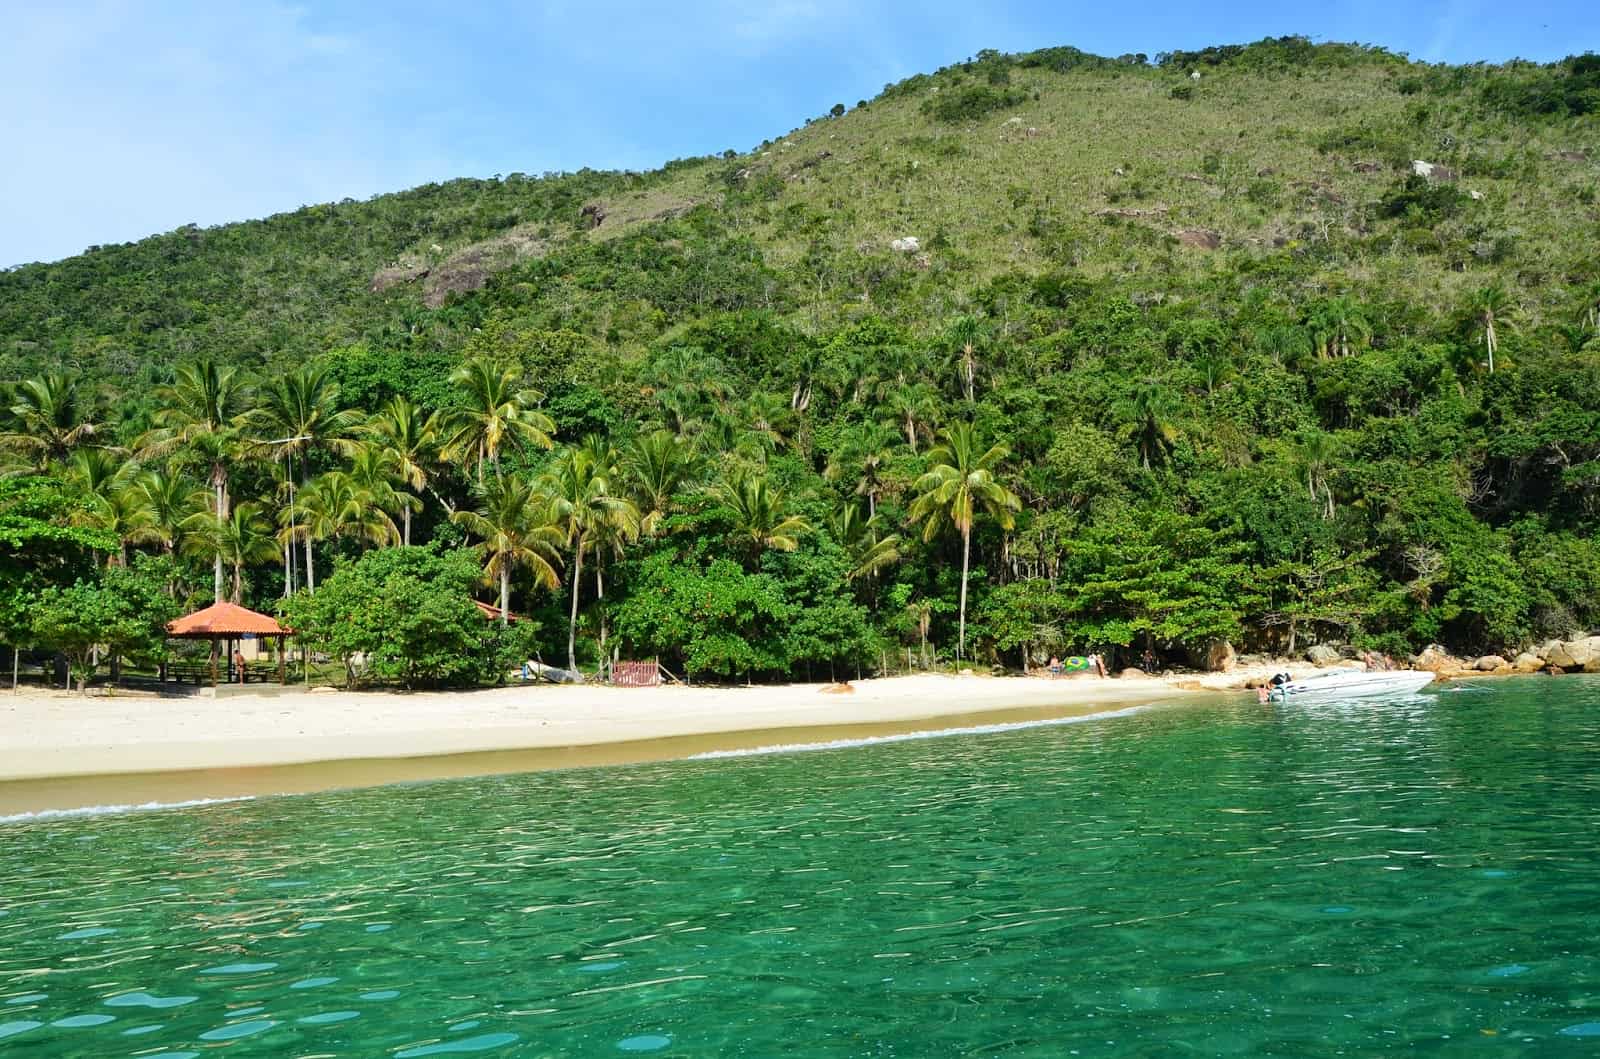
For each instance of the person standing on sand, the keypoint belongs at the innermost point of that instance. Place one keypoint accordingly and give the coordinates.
(238, 664)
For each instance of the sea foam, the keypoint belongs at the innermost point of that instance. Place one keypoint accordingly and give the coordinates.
(113, 810)
(905, 737)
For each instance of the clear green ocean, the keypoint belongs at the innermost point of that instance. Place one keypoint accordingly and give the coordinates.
(1205, 878)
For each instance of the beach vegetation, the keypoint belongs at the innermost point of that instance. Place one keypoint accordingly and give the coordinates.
(1030, 353)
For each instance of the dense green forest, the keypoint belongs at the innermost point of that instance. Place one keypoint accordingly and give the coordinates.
(1273, 344)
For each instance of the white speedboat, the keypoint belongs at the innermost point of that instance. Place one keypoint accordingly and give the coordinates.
(1352, 684)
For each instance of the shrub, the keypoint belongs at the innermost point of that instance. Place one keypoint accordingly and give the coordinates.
(972, 101)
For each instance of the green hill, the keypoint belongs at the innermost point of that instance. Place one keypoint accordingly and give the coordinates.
(1235, 307)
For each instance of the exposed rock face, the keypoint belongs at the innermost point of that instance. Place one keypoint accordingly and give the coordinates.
(906, 244)
(1323, 655)
(1433, 172)
(1132, 671)
(385, 278)
(1201, 238)
(1435, 659)
(1581, 653)
(1527, 662)
(1220, 657)
(1490, 663)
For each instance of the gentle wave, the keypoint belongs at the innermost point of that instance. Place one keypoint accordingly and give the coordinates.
(113, 810)
(904, 737)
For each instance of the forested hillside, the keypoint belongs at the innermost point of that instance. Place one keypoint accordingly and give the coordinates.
(1275, 344)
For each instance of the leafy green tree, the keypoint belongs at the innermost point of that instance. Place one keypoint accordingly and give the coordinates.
(125, 610)
(407, 613)
(959, 486)
(861, 536)
(43, 546)
(717, 620)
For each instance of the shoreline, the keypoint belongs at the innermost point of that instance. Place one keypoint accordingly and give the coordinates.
(62, 751)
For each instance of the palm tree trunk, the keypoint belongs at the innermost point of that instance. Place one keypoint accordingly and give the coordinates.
(238, 581)
(311, 571)
(216, 566)
(406, 515)
(505, 594)
(911, 433)
(572, 623)
(966, 555)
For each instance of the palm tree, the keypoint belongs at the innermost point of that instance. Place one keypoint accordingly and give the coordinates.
(373, 474)
(1489, 306)
(410, 437)
(200, 412)
(656, 465)
(50, 416)
(299, 414)
(327, 508)
(1318, 454)
(760, 519)
(512, 524)
(860, 535)
(915, 407)
(497, 411)
(585, 508)
(243, 538)
(104, 481)
(165, 501)
(958, 486)
(1148, 411)
(1335, 324)
(870, 448)
(965, 334)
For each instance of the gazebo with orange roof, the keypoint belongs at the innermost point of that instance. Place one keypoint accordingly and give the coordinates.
(228, 621)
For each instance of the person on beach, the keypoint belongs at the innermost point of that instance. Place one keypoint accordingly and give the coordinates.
(1055, 666)
(1099, 665)
(238, 664)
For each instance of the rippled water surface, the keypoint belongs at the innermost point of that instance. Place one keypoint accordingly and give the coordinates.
(1199, 879)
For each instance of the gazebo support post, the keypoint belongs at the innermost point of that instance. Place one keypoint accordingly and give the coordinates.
(213, 661)
(283, 675)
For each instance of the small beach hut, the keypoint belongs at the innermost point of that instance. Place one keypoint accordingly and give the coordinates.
(227, 622)
(491, 612)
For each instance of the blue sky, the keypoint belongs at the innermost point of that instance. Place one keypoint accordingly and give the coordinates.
(123, 119)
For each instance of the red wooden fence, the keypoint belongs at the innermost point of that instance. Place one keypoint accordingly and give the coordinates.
(636, 674)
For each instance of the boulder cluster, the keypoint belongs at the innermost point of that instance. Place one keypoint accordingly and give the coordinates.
(1578, 655)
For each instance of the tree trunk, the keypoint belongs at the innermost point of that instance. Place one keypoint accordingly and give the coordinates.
(966, 553)
(216, 564)
(911, 433)
(572, 624)
(405, 513)
(311, 570)
(238, 582)
(505, 594)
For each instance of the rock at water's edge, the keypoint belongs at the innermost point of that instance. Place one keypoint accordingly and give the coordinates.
(1490, 663)
(1323, 655)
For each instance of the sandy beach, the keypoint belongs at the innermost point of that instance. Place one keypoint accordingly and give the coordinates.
(60, 734)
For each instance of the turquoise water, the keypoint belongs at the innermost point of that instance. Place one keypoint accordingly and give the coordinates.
(1207, 879)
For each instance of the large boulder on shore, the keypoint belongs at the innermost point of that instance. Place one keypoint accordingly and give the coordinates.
(1215, 657)
(1323, 655)
(1132, 672)
(1527, 662)
(1435, 659)
(1582, 653)
(1490, 663)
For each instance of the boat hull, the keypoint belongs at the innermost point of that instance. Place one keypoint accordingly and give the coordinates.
(1354, 686)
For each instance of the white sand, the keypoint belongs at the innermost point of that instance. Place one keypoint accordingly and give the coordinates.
(48, 734)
